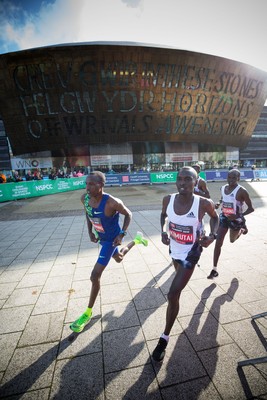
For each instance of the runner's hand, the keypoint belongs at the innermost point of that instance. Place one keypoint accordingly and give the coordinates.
(117, 241)
(165, 238)
(93, 237)
(205, 241)
(233, 217)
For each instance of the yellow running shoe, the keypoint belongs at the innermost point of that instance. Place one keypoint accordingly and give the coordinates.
(80, 323)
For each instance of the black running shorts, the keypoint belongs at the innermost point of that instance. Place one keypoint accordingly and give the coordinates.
(236, 224)
(192, 257)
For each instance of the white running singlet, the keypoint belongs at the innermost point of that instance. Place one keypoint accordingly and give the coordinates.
(230, 205)
(183, 229)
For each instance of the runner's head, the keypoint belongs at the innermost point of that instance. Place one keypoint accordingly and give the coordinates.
(95, 182)
(196, 168)
(233, 177)
(99, 177)
(186, 180)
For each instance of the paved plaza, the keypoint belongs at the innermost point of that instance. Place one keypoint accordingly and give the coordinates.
(45, 264)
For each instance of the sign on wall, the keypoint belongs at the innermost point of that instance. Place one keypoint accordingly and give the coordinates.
(61, 97)
(30, 163)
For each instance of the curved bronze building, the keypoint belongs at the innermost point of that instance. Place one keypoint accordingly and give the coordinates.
(129, 100)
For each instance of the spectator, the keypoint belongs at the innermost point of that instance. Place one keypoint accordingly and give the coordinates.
(10, 179)
(2, 178)
(37, 176)
(29, 176)
(52, 174)
(17, 177)
(60, 174)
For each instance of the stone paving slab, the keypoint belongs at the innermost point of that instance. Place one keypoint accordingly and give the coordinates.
(45, 264)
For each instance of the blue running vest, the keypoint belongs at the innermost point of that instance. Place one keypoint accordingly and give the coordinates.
(107, 228)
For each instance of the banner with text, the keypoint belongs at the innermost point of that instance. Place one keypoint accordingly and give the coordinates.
(22, 190)
(163, 177)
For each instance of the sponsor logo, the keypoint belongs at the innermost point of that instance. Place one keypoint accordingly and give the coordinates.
(97, 212)
(191, 215)
(44, 187)
(78, 183)
(35, 163)
(165, 176)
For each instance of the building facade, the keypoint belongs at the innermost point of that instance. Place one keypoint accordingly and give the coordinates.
(255, 152)
(127, 107)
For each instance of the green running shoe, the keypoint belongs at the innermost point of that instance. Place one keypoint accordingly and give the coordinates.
(79, 324)
(139, 239)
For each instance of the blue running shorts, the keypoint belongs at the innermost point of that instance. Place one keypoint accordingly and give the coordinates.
(106, 252)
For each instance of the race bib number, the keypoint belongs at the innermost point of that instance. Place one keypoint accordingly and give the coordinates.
(228, 208)
(96, 222)
(181, 234)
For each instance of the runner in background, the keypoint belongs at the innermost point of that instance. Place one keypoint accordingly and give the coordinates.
(234, 198)
(200, 188)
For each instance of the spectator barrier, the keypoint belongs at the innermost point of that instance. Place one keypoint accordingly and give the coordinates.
(22, 190)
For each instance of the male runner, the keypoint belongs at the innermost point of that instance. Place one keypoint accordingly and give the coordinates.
(102, 215)
(185, 239)
(233, 199)
(201, 186)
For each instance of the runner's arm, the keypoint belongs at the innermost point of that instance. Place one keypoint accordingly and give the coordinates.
(127, 217)
(91, 234)
(248, 202)
(207, 206)
(203, 189)
(163, 218)
(116, 205)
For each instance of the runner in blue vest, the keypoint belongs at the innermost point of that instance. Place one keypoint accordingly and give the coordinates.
(102, 215)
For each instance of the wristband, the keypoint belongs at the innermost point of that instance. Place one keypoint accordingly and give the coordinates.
(122, 232)
(214, 235)
(164, 233)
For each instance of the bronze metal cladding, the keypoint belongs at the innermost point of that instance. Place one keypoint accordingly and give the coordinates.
(75, 95)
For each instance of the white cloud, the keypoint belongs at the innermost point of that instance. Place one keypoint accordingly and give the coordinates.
(232, 29)
(132, 3)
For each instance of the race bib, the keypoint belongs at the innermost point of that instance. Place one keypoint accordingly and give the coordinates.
(96, 222)
(228, 208)
(181, 234)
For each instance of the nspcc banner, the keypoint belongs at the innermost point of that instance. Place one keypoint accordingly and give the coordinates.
(22, 190)
(163, 177)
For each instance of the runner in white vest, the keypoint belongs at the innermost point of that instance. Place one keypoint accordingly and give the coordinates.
(186, 239)
(234, 199)
(201, 187)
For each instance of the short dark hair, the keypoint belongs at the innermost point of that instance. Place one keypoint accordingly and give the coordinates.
(99, 175)
(196, 167)
(234, 170)
(189, 169)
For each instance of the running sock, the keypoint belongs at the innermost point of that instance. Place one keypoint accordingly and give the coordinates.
(88, 311)
(214, 269)
(166, 337)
